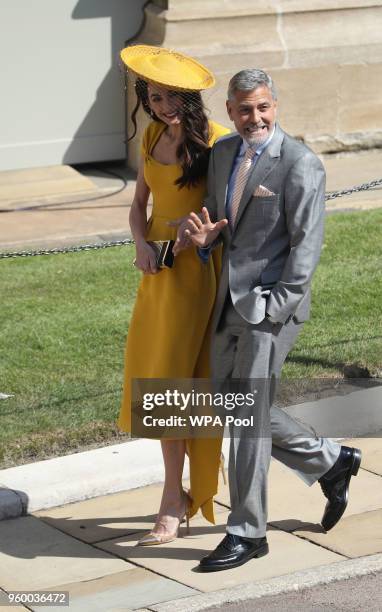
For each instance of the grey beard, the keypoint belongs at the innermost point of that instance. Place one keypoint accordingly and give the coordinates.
(257, 141)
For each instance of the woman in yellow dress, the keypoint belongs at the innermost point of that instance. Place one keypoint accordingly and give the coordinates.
(169, 330)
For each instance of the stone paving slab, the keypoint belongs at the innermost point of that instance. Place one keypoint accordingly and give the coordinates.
(136, 588)
(292, 503)
(29, 183)
(99, 174)
(34, 556)
(54, 228)
(346, 170)
(371, 452)
(110, 516)
(178, 560)
(354, 536)
(351, 168)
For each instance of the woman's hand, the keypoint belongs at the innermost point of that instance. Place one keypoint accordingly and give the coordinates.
(145, 259)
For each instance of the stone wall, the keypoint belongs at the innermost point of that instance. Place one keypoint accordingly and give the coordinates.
(324, 55)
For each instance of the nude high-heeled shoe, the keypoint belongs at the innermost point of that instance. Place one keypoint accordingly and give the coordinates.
(153, 539)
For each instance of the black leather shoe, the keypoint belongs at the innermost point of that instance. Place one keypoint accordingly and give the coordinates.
(335, 485)
(233, 551)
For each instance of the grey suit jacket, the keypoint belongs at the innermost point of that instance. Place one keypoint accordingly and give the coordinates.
(276, 241)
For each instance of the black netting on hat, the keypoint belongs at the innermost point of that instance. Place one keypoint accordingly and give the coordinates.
(160, 102)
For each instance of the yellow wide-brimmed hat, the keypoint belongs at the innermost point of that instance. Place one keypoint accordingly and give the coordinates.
(168, 68)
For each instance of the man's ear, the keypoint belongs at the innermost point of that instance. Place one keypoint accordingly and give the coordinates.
(229, 109)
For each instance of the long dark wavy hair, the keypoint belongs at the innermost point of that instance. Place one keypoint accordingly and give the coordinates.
(194, 151)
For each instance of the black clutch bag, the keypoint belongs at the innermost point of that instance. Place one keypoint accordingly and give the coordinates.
(163, 252)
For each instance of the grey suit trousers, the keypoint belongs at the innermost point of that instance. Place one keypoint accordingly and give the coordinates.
(255, 354)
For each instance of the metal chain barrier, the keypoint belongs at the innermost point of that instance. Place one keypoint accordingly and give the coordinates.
(105, 245)
(70, 249)
(364, 187)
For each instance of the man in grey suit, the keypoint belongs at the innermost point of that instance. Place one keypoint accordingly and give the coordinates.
(266, 196)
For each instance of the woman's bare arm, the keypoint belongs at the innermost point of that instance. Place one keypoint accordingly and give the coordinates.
(145, 256)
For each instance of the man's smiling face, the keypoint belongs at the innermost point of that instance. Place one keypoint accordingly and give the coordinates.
(253, 113)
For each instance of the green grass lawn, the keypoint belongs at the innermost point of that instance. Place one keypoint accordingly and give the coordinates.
(64, 319)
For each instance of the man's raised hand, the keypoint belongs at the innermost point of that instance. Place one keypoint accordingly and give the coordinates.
(200, 230)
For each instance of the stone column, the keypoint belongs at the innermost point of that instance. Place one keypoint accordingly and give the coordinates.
(324, 55)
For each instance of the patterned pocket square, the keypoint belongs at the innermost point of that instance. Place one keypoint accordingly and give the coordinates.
(261, 192)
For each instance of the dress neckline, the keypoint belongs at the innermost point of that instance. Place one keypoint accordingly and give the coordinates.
(160, 132)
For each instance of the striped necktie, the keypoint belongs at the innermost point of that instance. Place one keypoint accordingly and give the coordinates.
(240, 182)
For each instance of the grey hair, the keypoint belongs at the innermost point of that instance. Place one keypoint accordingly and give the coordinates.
(250, 79)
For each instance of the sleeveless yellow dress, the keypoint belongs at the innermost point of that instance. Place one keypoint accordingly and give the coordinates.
(169, 330)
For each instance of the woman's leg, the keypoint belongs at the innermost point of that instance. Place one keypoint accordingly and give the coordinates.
(173, 501)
